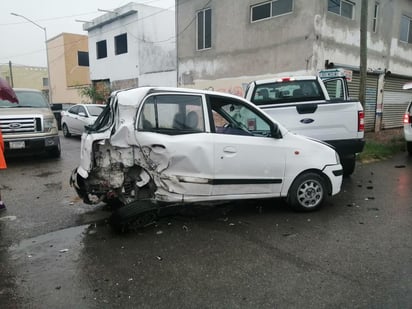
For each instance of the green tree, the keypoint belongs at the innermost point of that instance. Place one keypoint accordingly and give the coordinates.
(95, 94)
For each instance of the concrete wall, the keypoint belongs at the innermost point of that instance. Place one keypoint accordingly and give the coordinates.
(25, 76)
(151, 55)
(296, 43)
(66, 74)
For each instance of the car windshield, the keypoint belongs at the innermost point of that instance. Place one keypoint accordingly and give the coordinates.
(26, 99)
(95, 110)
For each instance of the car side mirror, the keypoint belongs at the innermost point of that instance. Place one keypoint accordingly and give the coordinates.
(275, 132)
(82, 114)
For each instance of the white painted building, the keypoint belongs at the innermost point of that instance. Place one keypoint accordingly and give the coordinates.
(133, 46)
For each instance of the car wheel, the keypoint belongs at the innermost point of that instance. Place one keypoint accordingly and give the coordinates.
(307, 192)
(348, 164)
(55, 152)
(409, 147)
(66, 131)
(133, 217)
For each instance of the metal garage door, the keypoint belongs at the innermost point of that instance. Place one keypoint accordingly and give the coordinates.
(395, 101)
(371, 97)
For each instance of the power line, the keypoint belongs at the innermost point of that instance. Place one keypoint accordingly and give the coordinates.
(121, 26)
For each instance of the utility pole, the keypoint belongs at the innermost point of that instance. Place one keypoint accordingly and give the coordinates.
(363, 51)
(47, 51)
(11, 74)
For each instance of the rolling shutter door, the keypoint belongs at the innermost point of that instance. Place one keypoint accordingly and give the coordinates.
(371, 97)
(395, 101)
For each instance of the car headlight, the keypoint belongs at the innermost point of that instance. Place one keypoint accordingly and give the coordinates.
(49, 124)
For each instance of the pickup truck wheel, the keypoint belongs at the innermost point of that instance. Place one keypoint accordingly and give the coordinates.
(307, 192)
(66, 131)
(409, 147)
(55, 152)
(348, 165)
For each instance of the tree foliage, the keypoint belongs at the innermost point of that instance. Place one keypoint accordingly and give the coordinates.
(95, 94)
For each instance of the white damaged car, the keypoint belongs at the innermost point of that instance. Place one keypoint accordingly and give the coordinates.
(155, 147)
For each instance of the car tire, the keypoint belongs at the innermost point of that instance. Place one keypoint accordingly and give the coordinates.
(348, 165)
(66, 132)
(409, 147)
(133, 217)
(55, 152)
(307, 192)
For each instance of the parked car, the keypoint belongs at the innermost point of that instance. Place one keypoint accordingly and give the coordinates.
(407, 123)
(29, 126)
(317, 106)
(78, 116)
(153, 147)
(57, 109)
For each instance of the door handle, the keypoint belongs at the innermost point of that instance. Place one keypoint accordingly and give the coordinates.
(229, 149)
(158, 146)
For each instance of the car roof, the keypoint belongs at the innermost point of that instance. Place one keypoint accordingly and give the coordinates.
(285, 79)
(128, 96)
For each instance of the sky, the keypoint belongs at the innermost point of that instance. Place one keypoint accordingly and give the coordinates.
(23, 43)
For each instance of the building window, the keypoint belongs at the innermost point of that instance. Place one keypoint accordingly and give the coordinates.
(270, 9)
(101, 49)
(341, 7)
(120, 44)
(83, 59)
(406, 29)
(375, 17)
(204, 29)
(45, 82)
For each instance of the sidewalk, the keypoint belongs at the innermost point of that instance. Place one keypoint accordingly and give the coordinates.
(385, 136)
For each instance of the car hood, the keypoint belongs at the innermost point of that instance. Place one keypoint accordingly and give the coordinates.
(22, 111)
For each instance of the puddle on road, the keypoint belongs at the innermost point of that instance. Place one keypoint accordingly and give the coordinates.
(46, 269)
(50, 243)
(8, 218)
(47, 174)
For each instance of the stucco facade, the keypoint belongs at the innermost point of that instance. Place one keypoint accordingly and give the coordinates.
(23, 76)
(67, 72)
(304, 39)
(133, 46)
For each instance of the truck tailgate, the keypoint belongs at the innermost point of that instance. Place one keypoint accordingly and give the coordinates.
(322, 119)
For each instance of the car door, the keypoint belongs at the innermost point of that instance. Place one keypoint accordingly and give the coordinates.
(80, 120)
(249, 160)
(70, 118)
(174, 144)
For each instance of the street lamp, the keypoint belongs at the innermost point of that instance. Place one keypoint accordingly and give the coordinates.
(47, 51)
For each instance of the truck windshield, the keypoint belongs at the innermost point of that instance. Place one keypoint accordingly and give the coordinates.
(287, 91)
(26, 99)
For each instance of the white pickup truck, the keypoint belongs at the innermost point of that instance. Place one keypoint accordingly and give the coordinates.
(315, 106)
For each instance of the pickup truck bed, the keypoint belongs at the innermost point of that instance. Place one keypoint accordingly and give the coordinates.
(309, 106)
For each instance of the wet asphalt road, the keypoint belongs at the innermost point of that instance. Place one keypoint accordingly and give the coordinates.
(356, 252)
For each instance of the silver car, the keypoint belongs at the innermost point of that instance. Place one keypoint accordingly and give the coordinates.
(78, 116)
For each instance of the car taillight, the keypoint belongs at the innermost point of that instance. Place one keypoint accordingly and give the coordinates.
(407, 118)
(285, 79)
(361, 121)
